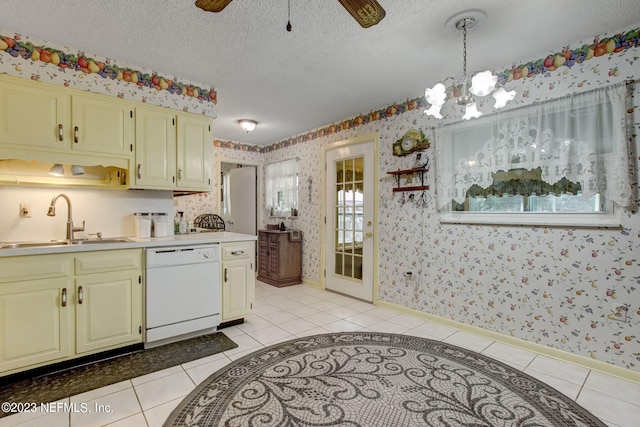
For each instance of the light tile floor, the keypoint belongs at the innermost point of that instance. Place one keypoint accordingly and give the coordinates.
(284, 313)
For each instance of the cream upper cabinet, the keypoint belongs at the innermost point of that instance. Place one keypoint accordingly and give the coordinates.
(155, 162)
(173, 151)
(194, 152)
(101, 125)
(34, 115)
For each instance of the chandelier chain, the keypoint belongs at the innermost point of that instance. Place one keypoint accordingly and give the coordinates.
(464, 47)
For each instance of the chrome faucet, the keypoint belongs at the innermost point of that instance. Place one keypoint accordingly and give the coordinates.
(70, 228)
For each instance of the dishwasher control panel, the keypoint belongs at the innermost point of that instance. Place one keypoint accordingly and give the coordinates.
(181, 255)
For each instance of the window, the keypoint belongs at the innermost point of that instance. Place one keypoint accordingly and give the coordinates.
(281, 187)
(564, 161)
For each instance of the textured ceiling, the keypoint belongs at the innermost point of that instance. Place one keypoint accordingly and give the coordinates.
(325, 70)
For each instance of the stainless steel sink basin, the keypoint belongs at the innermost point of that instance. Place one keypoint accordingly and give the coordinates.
(98, 241)
(32, 244)
(23, 245)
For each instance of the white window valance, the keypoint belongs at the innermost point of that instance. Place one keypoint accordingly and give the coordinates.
(281, 187)
(582, 138)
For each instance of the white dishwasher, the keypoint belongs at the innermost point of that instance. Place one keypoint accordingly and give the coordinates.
(182, 292)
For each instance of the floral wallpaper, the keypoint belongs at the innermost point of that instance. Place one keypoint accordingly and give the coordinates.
(554, 286)
(36, 60)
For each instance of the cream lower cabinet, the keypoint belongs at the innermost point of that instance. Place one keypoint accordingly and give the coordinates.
(61, 306)
(108, 299)
(238, 280)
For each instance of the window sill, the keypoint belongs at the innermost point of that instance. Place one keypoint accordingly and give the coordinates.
(592, 220)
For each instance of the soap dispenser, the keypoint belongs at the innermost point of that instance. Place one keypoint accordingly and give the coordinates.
(182, 224)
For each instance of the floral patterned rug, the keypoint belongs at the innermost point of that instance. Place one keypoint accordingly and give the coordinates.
(374, 379)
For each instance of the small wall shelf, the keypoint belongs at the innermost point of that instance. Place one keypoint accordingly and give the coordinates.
(413, 172)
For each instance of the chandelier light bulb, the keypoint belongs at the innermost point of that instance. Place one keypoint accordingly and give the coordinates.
(471, 112)
(502, 97)
(482, 84)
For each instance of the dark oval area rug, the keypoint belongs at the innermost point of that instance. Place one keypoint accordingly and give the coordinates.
(374, 379)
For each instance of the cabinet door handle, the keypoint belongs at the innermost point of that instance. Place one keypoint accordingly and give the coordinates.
(64, 297)
(179, 174)
(60, 133)
(80, 295)
(225, 275)
(139, 171)
(237, 252)
(75, 134)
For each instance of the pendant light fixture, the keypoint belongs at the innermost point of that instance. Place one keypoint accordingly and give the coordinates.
(56, 170)
(482, 83)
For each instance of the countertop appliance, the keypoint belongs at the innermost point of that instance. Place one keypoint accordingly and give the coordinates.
(182, 292)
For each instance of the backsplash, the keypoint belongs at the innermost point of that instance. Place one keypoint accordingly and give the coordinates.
(107, 211)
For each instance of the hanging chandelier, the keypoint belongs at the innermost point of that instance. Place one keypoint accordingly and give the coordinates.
(482, 83)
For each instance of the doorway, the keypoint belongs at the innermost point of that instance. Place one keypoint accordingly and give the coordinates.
(239, 197)
(350, 241)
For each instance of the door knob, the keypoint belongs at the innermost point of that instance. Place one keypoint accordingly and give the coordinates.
(369, 223)
(368, 234)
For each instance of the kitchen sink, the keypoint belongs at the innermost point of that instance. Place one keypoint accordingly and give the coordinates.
(23, 245)
(98, 241)
(32, 244)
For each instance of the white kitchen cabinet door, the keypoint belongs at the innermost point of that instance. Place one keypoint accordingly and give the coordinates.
(194, 152)
(155, 165)
(108, 310)
(102, 125)
(36, 325)
(34, 115)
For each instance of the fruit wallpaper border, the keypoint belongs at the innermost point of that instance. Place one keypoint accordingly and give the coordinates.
(556, 62)
(36, 60)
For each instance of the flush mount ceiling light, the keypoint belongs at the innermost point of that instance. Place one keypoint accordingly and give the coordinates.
(247, 125)
(482, 83)
(56, 170)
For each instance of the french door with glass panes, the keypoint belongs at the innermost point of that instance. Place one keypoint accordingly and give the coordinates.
(349, 237)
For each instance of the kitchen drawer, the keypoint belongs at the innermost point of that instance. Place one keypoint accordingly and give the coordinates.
(237, 250)
(103, 261)
(32, 267)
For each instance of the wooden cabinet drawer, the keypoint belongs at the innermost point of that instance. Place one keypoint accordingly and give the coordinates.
(103, 261)
(237, 250)
(23, 268)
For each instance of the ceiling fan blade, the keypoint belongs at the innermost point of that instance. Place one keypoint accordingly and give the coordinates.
(212, 5)
(366, 12)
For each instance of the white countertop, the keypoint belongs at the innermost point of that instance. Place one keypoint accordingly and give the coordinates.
(134, 242)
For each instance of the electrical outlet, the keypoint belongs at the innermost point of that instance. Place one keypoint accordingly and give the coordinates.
(25, 210)
(619, 312)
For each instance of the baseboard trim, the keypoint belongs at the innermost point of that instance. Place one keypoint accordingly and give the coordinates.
(597, 365)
